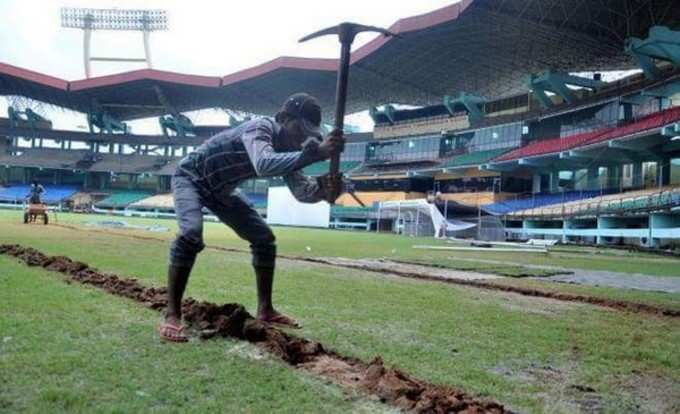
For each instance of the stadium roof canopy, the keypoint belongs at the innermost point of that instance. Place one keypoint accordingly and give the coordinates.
(485, 47)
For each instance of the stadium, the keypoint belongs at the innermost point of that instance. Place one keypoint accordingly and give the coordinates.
(522, 170)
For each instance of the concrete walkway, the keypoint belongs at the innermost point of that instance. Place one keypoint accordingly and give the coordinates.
(668, 284)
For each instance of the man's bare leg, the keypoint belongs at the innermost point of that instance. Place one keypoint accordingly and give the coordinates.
(177, 281)
(264, 277)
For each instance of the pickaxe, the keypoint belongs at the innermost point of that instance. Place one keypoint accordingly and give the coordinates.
(346, 33)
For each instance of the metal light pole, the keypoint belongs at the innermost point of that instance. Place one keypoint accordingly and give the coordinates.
(145, 21)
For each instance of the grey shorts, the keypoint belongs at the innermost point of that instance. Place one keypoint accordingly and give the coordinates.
(234, 210)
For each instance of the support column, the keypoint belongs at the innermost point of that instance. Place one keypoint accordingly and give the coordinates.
(554, 181)
(87, 34)
(637, 174)
(592, 180)
(663, 172)
(536, 183)
(132, 181)
(613, 177)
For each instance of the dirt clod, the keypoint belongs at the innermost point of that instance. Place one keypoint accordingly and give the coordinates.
(389, 385)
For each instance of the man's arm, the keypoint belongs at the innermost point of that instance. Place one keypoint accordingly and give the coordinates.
(257, 140)
(305, 189)
(311, 190)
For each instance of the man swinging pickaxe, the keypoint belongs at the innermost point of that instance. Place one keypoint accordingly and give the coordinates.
(346, 33)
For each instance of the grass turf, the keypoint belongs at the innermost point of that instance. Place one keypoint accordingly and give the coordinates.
(76, 349)
(357, 244)
(524, 352)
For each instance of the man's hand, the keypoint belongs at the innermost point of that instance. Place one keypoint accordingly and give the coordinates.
(334, 143)
(332, 185)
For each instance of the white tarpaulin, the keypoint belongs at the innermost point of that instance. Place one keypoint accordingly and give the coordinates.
(284, 209)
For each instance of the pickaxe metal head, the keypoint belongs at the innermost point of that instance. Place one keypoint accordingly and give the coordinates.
(347, 31)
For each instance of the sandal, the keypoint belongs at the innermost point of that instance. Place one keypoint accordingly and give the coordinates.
(172, 333)
(281, 320)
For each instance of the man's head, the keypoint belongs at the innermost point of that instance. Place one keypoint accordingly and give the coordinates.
(35, 182)
(300, 117)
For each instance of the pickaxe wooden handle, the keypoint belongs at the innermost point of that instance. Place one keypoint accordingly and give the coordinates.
(346, 33)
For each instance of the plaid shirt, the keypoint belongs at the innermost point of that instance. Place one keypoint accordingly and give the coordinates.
(225, 160)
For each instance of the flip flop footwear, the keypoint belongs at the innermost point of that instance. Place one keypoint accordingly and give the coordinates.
(172, 333)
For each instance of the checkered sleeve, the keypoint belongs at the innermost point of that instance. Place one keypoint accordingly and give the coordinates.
(257, 140)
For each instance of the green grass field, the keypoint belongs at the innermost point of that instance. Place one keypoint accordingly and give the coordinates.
(69, 348)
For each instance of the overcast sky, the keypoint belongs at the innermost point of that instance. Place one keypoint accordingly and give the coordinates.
(204, 37)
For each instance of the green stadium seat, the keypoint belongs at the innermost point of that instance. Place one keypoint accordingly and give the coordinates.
(122, 199)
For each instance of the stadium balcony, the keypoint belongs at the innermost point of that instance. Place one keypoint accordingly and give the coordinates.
(43, 158)
(54, 194)
(632, 202)
(471, 159)
(537, 200)
(130, 164)
(86, 160)
(434, 124)
(556, 145)
(87, 137)
(395, 168)
(122, 199)
(321, 168)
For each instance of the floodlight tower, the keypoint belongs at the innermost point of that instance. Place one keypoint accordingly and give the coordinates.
(145, 21)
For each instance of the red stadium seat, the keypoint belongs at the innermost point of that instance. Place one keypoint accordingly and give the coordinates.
(553, 145)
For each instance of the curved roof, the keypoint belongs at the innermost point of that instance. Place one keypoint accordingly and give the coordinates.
(480, 46)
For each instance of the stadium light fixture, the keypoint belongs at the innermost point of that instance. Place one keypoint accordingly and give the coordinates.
(145, 21)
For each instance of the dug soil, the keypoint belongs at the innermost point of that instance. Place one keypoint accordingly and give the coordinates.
(389, 385)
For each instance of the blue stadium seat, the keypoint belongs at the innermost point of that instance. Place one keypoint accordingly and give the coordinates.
(538, 200)
(53, 193)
